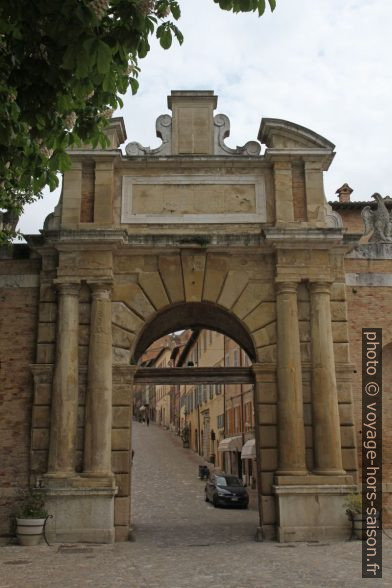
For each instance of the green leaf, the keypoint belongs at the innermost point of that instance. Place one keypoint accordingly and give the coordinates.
(143, 48)
(69, 60)
(104, 58)
(245, 5)
(175, 10)
(83, 63)
(225, 4)
(261, 7)
(166, 39)
(134, 85)
(272, 4)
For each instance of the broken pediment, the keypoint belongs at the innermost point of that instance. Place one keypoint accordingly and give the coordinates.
(193, 129)
(281, 134)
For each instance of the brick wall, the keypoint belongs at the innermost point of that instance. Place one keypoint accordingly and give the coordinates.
(18, 316)
(370, 307)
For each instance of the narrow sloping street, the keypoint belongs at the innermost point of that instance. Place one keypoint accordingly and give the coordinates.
(168, 497)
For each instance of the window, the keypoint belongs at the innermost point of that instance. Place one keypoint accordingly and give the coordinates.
(212, 388)
(204, 392)
(237, 419)
(199, 395)
(220, 421)
(227, 359)
(235, 358)
(230, 421)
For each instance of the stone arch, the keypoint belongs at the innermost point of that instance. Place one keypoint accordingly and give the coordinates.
(193, 315)
(236, 285)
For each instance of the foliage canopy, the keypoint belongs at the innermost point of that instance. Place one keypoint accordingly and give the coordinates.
(63, 66)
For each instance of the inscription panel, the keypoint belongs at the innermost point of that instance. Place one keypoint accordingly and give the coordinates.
(200, 199)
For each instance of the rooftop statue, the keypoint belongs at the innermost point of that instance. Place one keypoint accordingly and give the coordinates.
(378, 221)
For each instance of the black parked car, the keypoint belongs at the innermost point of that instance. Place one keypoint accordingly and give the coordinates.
(224, 489)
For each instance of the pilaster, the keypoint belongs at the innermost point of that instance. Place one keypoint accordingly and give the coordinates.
(326, 424)
(62, 446)
(290, 405)
(97, 447)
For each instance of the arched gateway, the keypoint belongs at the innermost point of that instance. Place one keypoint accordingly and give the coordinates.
(194, 233)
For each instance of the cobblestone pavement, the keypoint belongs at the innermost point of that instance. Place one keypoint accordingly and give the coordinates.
(182, 542)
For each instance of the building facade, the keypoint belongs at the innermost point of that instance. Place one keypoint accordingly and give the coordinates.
(193, 234)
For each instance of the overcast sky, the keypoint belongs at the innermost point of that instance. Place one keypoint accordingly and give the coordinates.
(324, 64)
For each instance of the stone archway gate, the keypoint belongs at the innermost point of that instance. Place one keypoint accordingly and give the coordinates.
(194, 221)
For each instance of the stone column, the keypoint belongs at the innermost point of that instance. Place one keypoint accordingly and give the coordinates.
(326, 424)
(290, 405)
(64, 409)
(98, 425)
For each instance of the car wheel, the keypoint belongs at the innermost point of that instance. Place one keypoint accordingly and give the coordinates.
(206, 497)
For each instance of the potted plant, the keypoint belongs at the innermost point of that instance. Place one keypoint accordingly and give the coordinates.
(353, 506)
(31, 516)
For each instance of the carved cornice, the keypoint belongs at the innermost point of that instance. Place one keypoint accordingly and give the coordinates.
(201, 240)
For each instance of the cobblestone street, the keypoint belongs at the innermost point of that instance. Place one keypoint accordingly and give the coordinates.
(182, 542)
(168, 497)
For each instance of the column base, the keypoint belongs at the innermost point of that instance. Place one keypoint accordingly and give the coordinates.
(329, 472)
(94, 474)
(60, 475)
(299, 472)
(312, 512)
(82, 509)
(312, 479)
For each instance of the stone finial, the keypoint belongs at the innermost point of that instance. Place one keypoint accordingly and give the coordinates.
(221, 131)
(193, 129)
(163, 128)
(378, 221)
(344, 193)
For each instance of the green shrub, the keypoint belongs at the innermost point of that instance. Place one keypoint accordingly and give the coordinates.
(32, 505)
(353, 502)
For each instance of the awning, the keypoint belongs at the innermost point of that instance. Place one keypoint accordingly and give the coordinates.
(249, 450)
(231, 444)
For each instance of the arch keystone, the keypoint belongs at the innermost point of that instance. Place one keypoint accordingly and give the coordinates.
(193, 266)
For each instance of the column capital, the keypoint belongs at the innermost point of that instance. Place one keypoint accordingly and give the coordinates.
(102, 290)
(67, 288)
(320, 287)
(290, 286)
